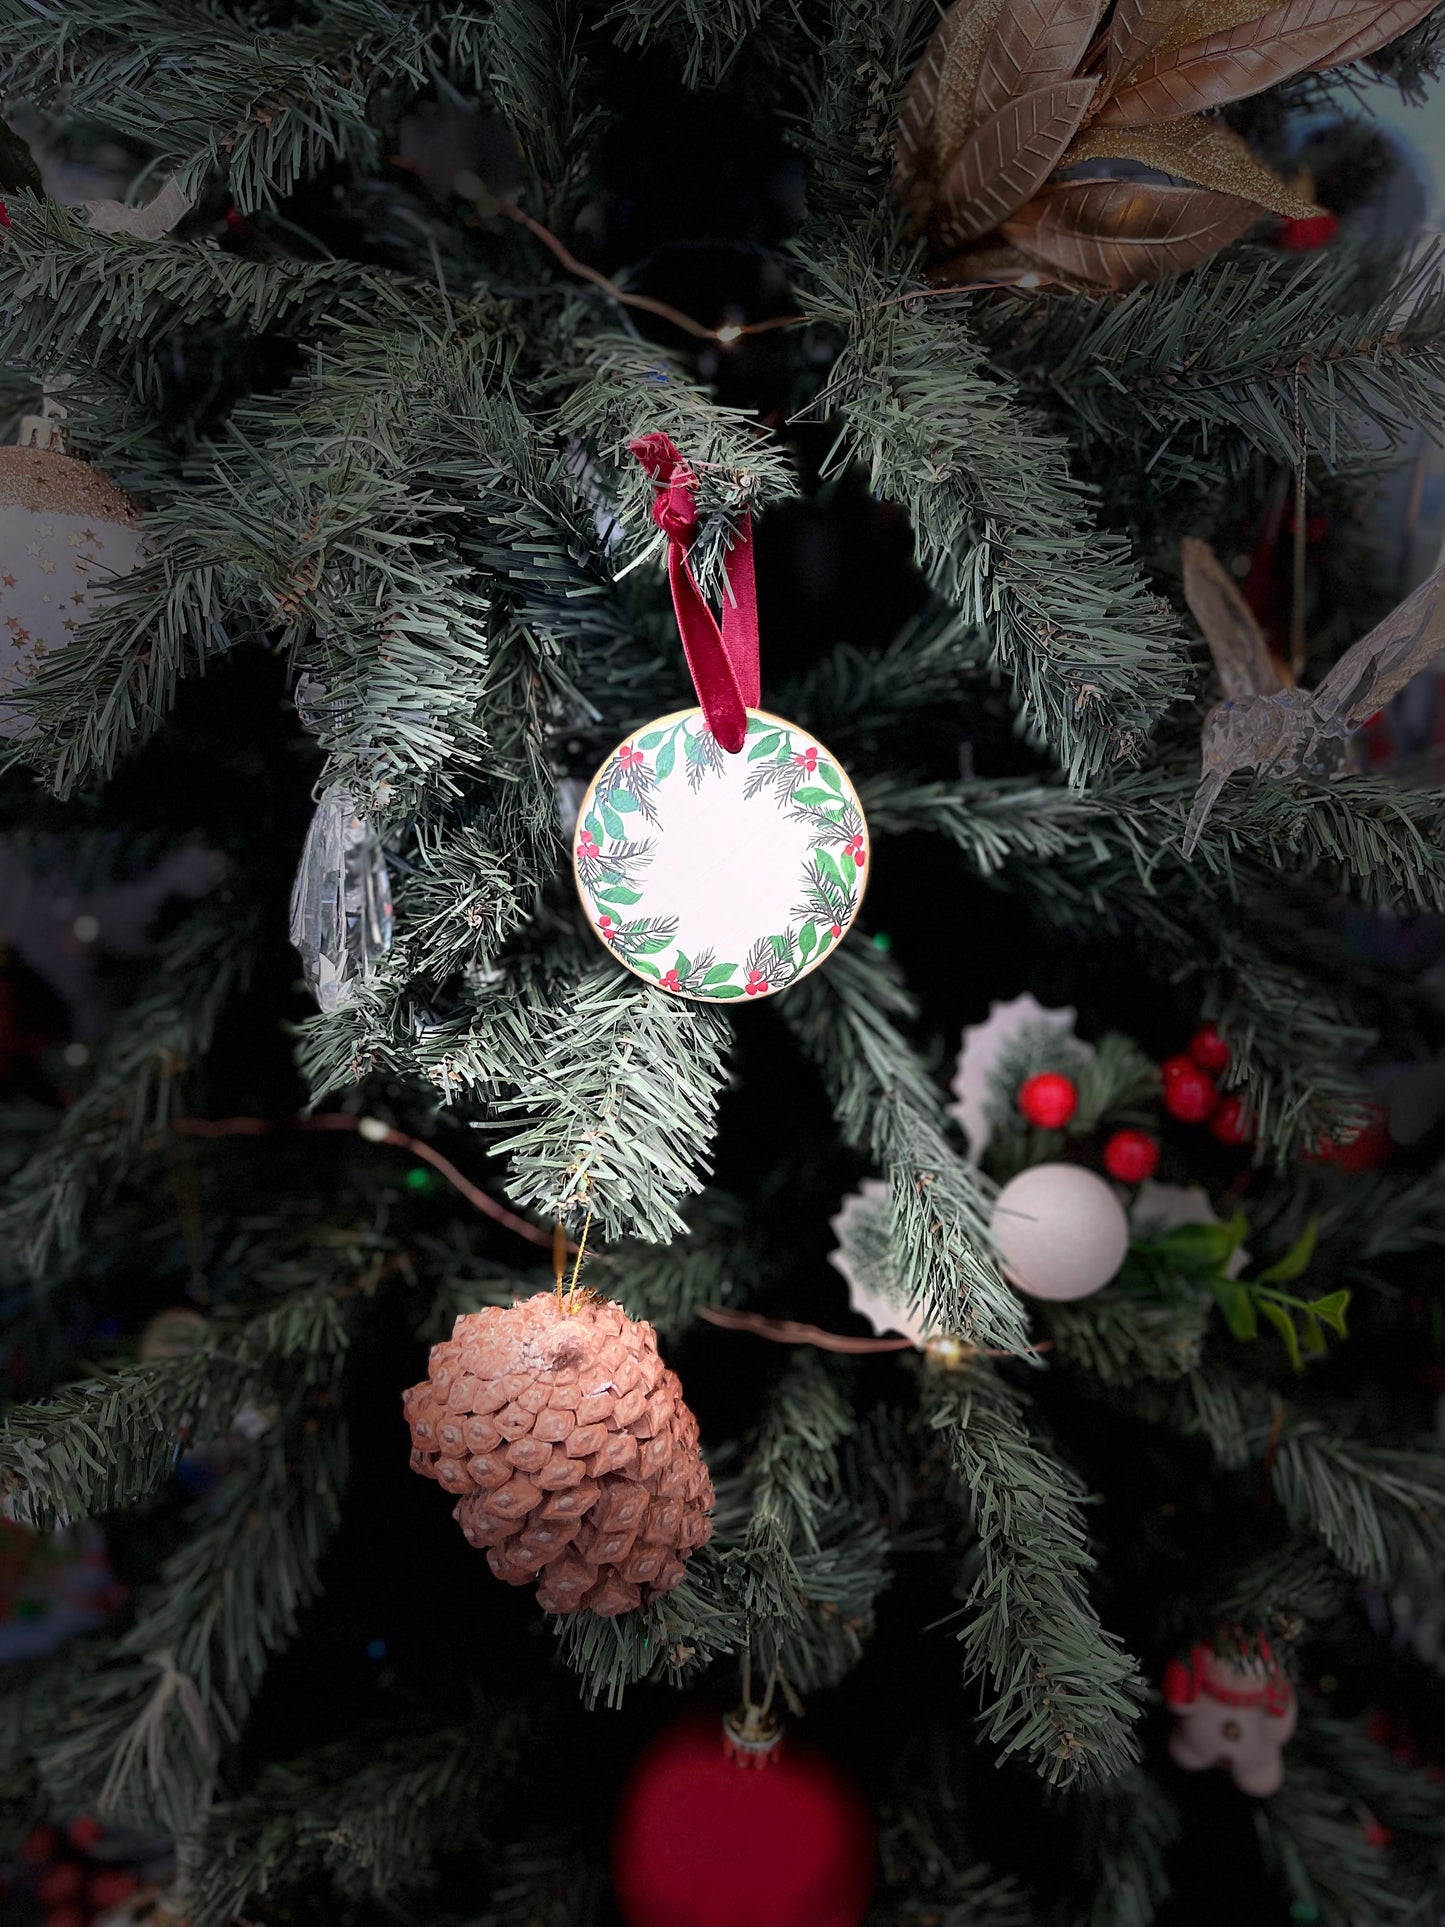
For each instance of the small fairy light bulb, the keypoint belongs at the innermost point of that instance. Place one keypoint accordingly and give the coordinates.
(728, 333)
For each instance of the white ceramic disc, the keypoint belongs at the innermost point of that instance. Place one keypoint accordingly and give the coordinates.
(718, 876)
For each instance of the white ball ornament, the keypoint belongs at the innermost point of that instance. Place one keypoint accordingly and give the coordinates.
(66, 534)
(1060, 1231)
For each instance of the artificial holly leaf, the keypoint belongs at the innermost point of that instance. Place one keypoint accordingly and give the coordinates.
(1237, 1306)
(1295, 1261)
(1241, 655)
(1203, 151)
(1331, 1309)
(1034, 44)
(1200, 1247)
(1137, 28)
(1122, 233)
(1284, 1325)
(1236, 61)
(1006, 159)
(1389, 23)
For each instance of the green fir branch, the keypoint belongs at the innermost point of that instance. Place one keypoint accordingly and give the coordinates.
(135, 1083)
(1058, 1688)
(619, 1108)
(888, 1108)
(1003, 530)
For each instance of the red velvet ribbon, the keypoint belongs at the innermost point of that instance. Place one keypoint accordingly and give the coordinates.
(723, 660)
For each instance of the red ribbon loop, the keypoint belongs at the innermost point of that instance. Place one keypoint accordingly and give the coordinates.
(723, 660)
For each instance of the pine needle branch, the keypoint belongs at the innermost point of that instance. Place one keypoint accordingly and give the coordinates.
(132, 1092)
(1004, 532)
(620, 1106)
(364, 1821)
(888, 1108)
(1059, 1689)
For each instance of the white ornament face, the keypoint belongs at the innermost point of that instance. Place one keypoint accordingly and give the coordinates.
(65, 535)
(720, 877)
(1060, 1231)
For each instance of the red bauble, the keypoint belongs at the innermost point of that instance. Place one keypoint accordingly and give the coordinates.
(1310, 231)
(1131, 1156)
(1048, 1100)
(1209, 1050)
(1366, 1150)
(1230, 1121)
(1188, 1093)
(705, 1839)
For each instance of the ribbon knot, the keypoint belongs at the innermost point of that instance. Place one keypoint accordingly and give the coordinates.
(723, 660)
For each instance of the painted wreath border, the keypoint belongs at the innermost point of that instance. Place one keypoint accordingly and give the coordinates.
(611, 846)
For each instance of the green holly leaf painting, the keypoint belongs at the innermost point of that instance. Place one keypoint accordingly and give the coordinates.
(831, 777)
(807, 940)
(848, 869)
(765, 745)
(719, 974)
(728, 990)
(811, 797)
(694, 749)
(651, 739)
(683, 965)
(666, 757)
(829, 871)
(613, 823)
(652, 946)
(593, 824)
(625, 801)
(782, 948)
(620, 896)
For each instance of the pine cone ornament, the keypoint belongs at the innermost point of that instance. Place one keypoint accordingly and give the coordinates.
(570, 1450)
(1009, 92)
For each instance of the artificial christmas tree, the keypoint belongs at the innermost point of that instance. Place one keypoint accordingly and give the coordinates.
(498, 363)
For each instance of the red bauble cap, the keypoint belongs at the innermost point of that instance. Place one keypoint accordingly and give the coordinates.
(703, 1841)
(1303, 234)
(1048, 1100)
(1188, 1094)
(1209, 1050)
(1230, 1121)
(1131, 1156)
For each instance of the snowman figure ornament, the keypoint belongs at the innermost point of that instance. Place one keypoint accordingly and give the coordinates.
(1233, 1711)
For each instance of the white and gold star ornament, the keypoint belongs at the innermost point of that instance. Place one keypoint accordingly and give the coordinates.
(67, 535)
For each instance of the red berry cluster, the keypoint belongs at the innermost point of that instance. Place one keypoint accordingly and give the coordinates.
(62, 1880)
(1050, 1099)
(1190, 1093)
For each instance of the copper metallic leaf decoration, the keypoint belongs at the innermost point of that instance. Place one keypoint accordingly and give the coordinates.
(1226, 621)
(963, 56)
(1034, 44)
(1389, 23)
(1236, 62)
(1137, 28)
(1123, 232)
(913, 165)
(1198, 150)
(1001, 163)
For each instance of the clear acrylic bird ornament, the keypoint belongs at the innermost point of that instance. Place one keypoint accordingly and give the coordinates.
(1263, 723)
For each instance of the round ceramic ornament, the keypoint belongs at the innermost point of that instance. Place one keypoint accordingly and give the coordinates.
(721, 875)
(66, 534)
(1060, 1231)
